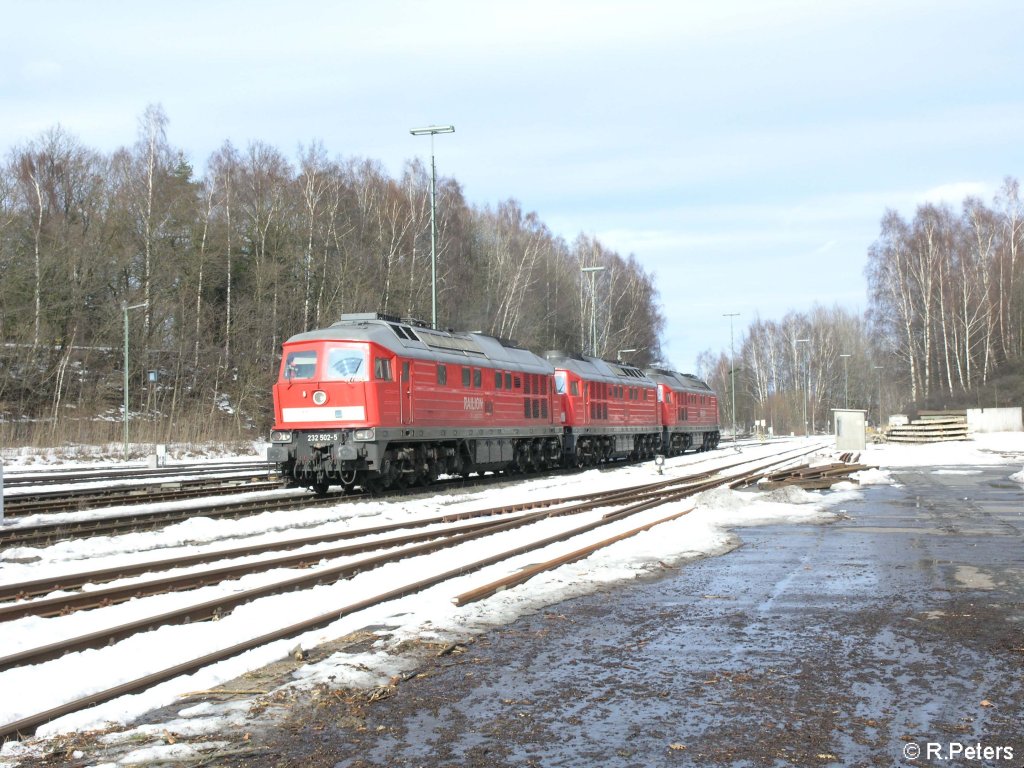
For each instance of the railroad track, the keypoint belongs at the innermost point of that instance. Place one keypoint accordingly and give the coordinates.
(80, 499)
(19, 478)
(44, 534)
(47, 533)
(444, 531)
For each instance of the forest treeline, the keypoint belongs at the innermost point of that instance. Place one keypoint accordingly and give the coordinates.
(211, 271)
(214, 270)
(945, 314)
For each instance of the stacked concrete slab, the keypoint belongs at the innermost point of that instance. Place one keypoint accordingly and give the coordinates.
(931, 427)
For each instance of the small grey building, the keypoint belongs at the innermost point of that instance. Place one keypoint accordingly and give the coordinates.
(850, 429)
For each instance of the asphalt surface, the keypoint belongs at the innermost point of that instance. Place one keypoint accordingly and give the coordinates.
(895, 632)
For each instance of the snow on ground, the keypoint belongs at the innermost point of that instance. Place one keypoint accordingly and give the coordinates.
(426, 615)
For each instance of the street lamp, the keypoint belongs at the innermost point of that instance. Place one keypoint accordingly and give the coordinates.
(879, 368)
(126, 307)
(432, 130)
(593, 307)
(806, 382)
(732, 370)
(846, 381)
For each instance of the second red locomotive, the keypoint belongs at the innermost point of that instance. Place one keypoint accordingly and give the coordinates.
(375, 401)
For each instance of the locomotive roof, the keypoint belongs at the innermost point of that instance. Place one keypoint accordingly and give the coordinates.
(413, 339)
(679, 381)
(594, 368)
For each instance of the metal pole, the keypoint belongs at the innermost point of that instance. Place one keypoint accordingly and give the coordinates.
(125, 419)
(806, 380)
(125, 307)
(732, 370)
(433, 239)
(807, 386)
(432, 131)
(846, 381)
(593, 315)
(880, 368)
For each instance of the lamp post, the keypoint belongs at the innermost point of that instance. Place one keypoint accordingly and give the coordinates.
(806, 384)
(432, 130)
(732, 370)
(618, 355)
(126, 307)
(846, 381)
(879, 368)
(593, 307)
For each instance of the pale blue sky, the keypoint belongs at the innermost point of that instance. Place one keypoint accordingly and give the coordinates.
(744, 151)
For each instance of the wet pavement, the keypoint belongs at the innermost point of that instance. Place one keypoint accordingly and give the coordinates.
(896, 630)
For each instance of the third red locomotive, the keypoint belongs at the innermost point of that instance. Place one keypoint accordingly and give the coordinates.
(375, 401)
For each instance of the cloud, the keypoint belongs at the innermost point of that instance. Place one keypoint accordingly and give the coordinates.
(955, 192)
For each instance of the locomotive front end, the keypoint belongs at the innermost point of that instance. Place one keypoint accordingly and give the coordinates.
(321, 430)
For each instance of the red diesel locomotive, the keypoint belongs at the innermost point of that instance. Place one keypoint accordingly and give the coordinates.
(609, 410)
(688, 410)
(375, 401)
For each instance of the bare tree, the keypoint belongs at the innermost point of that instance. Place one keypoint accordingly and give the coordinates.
(314, 180)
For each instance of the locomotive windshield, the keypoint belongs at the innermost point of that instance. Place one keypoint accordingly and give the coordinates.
(346, 363)
(300, 365)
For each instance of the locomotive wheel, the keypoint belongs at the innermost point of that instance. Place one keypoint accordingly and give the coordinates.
(320, 487)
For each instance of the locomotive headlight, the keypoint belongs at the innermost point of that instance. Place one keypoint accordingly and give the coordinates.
(363, 434)
(280, 436)
(319, 397)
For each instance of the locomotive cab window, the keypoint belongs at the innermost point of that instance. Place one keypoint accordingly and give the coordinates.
(466, 376)
(300, 365)
(346, 363)
(559, 383)
(497, 379)
(442, 373)
(382, 369)
(477, 378)
(575, 388)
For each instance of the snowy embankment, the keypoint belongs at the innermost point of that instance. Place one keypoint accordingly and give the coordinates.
(427, 615)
